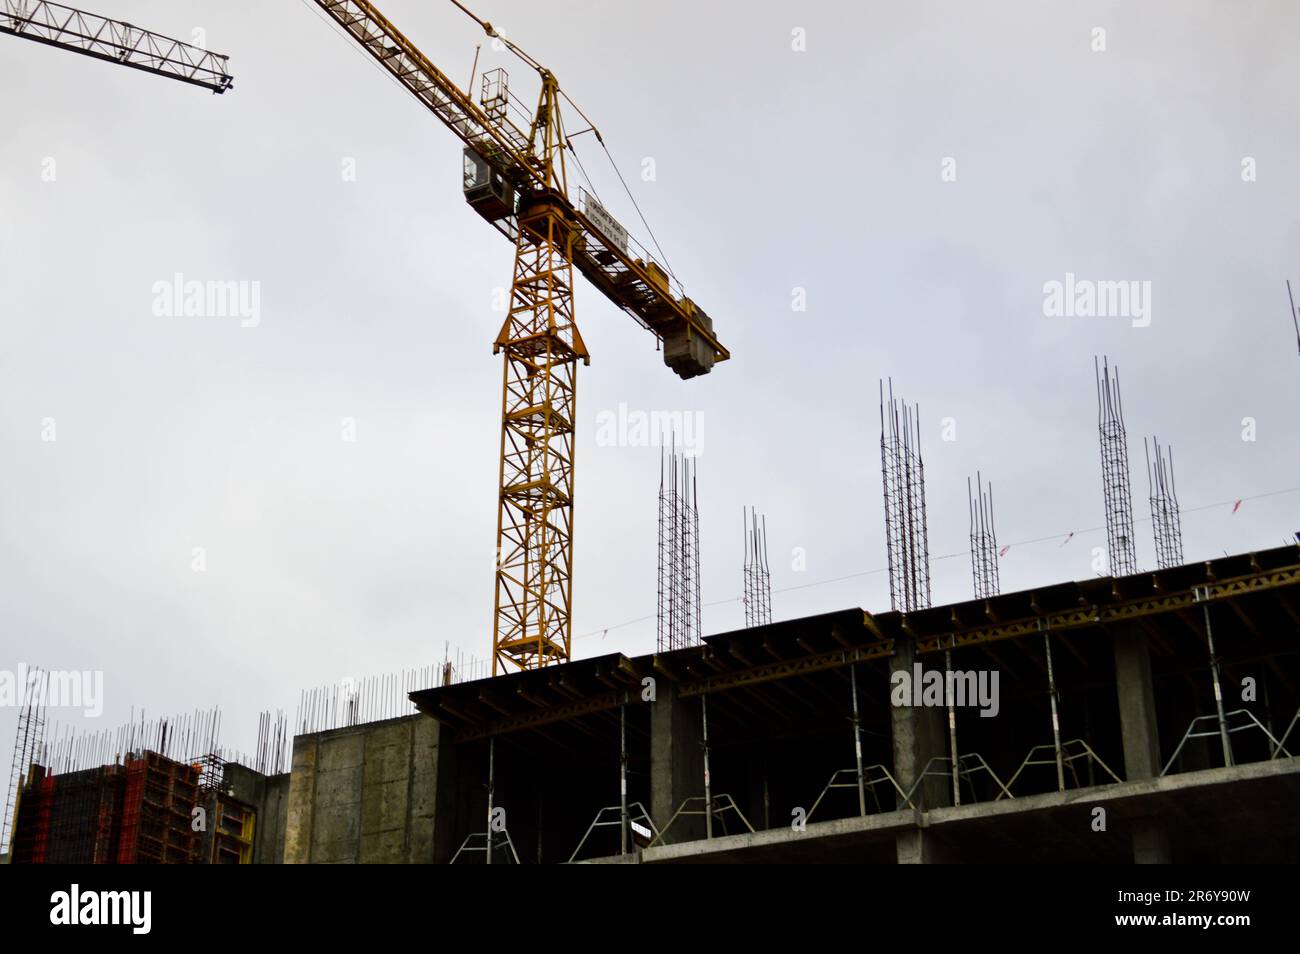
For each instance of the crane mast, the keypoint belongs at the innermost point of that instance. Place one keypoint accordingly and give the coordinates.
(542, 348)
(515, 178)
(66, 28)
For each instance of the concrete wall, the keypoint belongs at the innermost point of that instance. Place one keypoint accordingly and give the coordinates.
(269, 796)
(365, 794)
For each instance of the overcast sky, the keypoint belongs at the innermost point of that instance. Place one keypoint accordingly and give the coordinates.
(915, 172)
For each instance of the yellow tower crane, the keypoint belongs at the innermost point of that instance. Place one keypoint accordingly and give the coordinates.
(515, 178)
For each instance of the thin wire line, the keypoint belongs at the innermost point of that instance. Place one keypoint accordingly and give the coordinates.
(653, 238)
(336, 28)
(947, 556)
(583, 169)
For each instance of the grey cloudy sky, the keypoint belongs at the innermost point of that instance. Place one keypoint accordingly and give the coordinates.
(776, 169)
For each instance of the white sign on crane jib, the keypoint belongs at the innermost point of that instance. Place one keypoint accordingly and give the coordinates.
(614, 233)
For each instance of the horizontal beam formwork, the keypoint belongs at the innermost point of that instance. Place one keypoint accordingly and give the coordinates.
(1263, 588)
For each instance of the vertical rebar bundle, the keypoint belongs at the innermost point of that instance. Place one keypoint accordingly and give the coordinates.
(692, 606)
(184, 737)
(190, 739)
(272, 742)
(352, 702)
(906, 539)
(679, 616)
(460, 667)
(983, 539)
(669, 507)
(1115, 472)
(28, 740)
(1166, 519)
(758, 578)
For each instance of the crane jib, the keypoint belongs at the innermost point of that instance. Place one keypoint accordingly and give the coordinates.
(113, 41)
(627, 276)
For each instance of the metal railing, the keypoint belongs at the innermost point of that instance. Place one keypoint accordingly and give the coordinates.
(1067, 759)
(635, 813)
(868, 785)
(721, 805)
(1281, 745)
(964, 773)
(469, 845)
(1222, 728)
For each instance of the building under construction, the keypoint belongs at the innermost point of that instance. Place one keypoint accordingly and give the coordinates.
(1138, 716)
(1143, 718)
(1134, 716)
(148, 809)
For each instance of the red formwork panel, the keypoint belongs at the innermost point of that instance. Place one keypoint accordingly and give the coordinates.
(140, 812)
(132, 801)
(157, 812)
(44, 809)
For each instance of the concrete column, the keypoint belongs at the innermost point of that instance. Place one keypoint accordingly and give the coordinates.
(918, 736)
(1139, 729)
(1137, 704)
(448, 795)
(269, 849)
(302, 801)
(919, 847)
(1151, 844)
(676, 760)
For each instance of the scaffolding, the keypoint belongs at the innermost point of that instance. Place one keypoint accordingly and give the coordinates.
(28, 740)
(226, 837)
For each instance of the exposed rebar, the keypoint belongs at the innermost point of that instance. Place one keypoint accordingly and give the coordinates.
(983, 538)
(903, 472)
(1166, 520)
(758, 576)
(679, 619)
(1116, 486)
